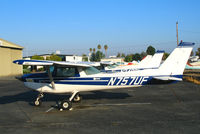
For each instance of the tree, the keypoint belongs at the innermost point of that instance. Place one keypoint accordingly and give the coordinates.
(123, 55)
(198, 52)
(106, 48)
(136, 57)
(150, 50)
(37, 57)
(165, 56)
(93, 57)
(85, 58)
(128, 58)
(143, 54)
(90, 50)
(99, 56)
(118, 55)
(94, 50)
(192, 53)
(99, 46)
(54, 57)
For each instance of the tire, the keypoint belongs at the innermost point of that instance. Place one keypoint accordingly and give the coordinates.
(77, 98)
(65, 105)
(38, 103)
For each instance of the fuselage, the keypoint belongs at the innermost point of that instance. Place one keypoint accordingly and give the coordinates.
(89, 79)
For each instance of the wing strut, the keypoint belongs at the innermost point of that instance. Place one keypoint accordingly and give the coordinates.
(51, 77)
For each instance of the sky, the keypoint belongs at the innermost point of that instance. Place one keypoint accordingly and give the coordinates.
(74, 26)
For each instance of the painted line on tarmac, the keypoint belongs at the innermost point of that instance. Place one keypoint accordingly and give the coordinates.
(49, 109)
(109, 104)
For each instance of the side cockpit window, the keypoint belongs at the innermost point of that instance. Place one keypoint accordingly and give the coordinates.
(65, 72)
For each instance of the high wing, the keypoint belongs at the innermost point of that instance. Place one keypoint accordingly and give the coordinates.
(52, 63)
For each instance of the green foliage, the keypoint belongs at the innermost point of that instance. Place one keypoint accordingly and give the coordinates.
(106, 48)
(99, 46)
(26, 71)
(136, 57)
(198, 52)
(143, 54)
(93, 57)
(36, 57)
(128, 58)
(192, 53)
(97, 56)
(90, 50)
(150, 50)
(54, 57)
(123, 55)
(118, 55)
(94, 50)
(85, 58)
(165, 56)
(25, 66)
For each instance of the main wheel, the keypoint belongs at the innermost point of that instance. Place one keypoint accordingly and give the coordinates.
(65, 105)
(77, 98)
(38, 102)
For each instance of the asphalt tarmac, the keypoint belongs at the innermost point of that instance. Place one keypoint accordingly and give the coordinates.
(156, 109)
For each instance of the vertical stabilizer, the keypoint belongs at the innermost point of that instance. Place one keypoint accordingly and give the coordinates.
(145, 61)
(176, 62)
(153, 62)
(156, 59)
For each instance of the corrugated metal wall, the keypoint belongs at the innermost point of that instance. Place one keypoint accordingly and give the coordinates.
(7, 68)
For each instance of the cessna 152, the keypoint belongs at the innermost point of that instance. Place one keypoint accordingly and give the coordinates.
(68, 77)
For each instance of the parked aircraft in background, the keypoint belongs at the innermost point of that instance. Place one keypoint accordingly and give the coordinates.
(147, 63)
(70, 77)
(190, 66)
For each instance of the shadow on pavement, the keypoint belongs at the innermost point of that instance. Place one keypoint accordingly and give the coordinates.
(30, 96)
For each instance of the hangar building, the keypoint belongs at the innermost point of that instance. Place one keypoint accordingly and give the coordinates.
(9, 52)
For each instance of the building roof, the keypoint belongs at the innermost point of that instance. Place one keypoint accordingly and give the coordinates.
(5, 43)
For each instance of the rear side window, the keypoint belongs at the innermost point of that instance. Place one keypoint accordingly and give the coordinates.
(91, 70)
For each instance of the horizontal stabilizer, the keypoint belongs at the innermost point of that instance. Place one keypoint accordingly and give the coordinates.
(168, 78)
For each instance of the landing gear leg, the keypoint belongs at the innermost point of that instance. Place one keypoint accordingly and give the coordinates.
(38, 102)
(67, 104)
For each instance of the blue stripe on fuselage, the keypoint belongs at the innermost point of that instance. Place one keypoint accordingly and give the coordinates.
(110, 81)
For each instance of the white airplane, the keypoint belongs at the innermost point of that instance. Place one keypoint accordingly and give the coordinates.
(152, 62)
(68, 77)
(148, 62)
